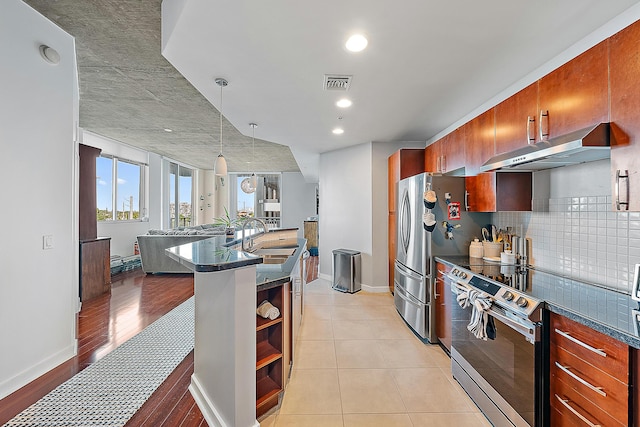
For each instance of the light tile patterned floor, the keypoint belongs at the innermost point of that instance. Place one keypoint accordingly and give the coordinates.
(357, 364)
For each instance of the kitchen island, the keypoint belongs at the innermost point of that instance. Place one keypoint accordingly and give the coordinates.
(226, 283)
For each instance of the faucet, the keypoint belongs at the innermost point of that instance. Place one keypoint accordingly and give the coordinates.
(244, 226)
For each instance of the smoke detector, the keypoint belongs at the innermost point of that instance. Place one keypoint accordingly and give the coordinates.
(337, 82)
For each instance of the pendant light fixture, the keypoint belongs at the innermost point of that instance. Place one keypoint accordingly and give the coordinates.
(220, 167)
(249, 184)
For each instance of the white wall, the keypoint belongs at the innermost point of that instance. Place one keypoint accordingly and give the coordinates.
(354, 209)
(346, 207)
(298, 201)
(38, 115)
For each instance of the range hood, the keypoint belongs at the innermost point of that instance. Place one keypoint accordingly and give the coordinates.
(586, 145)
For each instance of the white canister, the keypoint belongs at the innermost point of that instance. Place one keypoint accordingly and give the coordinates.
(475, 249)
(507, 257)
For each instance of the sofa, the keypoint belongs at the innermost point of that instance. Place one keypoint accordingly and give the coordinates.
(153, 244)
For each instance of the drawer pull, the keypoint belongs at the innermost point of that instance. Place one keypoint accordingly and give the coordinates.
(598, 351)
(565, 403)
(566, 369)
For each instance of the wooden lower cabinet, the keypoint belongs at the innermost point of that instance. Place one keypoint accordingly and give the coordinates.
(95, 267)
(589, 376)
(443, 299)
(272, 352)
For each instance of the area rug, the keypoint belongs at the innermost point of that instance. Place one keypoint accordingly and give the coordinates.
(111, 390)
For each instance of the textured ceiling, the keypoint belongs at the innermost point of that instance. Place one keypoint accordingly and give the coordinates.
(129, 92)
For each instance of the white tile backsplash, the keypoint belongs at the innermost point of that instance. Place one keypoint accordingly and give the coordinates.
(580, 237)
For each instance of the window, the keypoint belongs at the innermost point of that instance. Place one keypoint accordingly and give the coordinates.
(264, 203)
(119, 189)
(180, 195)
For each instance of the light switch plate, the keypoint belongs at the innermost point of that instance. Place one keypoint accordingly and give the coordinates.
(635, 289)
(47, 241)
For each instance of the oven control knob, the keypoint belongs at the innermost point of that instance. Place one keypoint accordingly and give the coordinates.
(454, 271)
(522, 302)
(508, 295)
(463, 274)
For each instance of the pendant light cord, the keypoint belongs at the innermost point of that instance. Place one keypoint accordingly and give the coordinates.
(221, 86)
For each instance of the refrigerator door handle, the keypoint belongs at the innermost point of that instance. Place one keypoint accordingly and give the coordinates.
(405, 222)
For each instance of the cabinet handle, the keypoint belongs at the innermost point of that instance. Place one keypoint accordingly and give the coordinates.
(598, 351)
(623, 175)
(438, 164)
(444, 163)
(565, 403)
(566, 369)
(466, 200)
(544, 125)
(531, 129)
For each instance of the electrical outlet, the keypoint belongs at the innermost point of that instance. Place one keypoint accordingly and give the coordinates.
(47, 241)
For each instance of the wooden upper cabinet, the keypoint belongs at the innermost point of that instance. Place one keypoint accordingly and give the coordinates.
(512, 116)
(480, 141)
(402, 164)
(447, 153)
(453, 149)
(625, 115)
(411, 162)
(433, 157)
(499, 191)
(576, 95)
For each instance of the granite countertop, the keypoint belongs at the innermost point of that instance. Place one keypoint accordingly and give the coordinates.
(605, 310)
(218, 253)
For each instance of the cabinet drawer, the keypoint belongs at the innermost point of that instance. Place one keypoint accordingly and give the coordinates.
(571, 408)
(599, 350)
(601, 389)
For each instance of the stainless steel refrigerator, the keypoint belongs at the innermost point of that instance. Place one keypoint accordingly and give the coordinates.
(417, 245)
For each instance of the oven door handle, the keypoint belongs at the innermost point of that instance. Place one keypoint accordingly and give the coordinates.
(530, 331)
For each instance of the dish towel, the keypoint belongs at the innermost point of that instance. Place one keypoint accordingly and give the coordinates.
(267, 310)
(481, 324)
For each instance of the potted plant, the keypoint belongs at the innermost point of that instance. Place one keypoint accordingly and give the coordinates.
(227, 221)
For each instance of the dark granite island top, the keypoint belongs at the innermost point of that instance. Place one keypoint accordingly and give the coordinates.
(605, 310)
(217, 253)
(212, 254)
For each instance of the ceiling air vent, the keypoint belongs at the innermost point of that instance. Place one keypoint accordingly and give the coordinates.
(337, 82)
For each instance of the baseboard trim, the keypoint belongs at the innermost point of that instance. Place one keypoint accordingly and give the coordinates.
(365, 287)
(208, 409)
(25, 377)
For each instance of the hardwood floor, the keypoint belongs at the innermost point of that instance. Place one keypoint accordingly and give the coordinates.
(136, 300)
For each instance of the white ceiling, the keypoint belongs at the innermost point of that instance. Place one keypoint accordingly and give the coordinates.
(429, 63)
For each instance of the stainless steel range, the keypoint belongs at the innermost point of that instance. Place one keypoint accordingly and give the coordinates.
(502, 373)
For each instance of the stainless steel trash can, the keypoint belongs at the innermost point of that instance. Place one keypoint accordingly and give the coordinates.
(346, 270)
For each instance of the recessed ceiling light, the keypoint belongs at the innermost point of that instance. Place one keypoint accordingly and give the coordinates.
(168, 130)
(344, 103)
(356, 43)
(338, 131)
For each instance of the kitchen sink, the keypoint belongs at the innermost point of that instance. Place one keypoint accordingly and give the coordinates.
(274, 256)
(274, 252)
